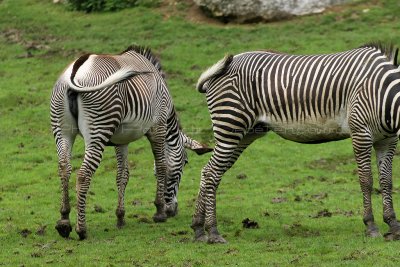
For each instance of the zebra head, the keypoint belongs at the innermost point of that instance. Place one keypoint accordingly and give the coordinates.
(177, 158)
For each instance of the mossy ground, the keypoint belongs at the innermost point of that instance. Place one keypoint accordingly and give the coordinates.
(305, 198)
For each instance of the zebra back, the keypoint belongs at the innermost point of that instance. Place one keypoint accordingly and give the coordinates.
(389, 50)
(146, 52)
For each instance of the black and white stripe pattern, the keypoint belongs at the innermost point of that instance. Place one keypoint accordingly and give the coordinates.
(114, 100)
(307, 99)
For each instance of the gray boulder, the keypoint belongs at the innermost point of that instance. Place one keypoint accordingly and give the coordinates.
(257, 10)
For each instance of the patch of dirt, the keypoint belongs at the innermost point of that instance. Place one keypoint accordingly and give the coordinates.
(356, 255)
(99, 209)
(296, 229)
(347, 213)
(17, 36)
(241, 176)
(25, 232)
(297, 198)
(337, 9)
(231, 251)
(182, 232)
(322, 213)
(41, 230)
(322, 164)
(36, 255)
(249, 224)
(187, 9)
(319, 196)
(144, 219)
(136, 202)
(331, 164)
(278, 200)
(295, 183)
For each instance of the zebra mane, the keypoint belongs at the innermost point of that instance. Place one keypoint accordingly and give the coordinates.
(389, 50)
(214, 71)
(146, 52)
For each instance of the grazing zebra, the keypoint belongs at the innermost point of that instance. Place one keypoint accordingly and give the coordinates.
(308, 99)
(114, 100)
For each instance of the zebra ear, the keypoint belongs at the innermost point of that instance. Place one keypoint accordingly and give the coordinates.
(195, 146)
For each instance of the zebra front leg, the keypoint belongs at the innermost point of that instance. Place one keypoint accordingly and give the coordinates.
(156, 137)
(362, 150)
(64, 147)
(122, 180)
(385, 150)
(93, 155)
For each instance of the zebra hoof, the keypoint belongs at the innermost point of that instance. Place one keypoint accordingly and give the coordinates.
(389, 236)
(373, 232)
(216, 239)
(172, 210)
(64, 228)
(159, 218)
(201, 238)
(82, 234)
(120, 223)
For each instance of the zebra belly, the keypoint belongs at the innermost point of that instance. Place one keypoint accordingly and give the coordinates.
(129, 132)
(311, 131)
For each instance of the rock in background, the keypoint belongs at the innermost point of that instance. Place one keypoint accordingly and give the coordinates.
(257, 10)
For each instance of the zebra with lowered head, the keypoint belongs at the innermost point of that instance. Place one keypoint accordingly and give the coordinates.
(112, 100)
(307, 99)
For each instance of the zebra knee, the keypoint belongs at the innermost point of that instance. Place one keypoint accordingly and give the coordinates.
(64, 168)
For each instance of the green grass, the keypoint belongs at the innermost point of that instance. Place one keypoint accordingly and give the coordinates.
(38, 39)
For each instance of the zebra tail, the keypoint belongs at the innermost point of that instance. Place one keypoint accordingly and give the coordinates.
(216, 70)
(116, 77)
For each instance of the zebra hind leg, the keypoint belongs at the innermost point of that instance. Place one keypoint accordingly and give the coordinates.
(199, 224)
(122, 180)
(64, 147)
(93, 156)
(204, 218)
(362, 151)
(384, 152)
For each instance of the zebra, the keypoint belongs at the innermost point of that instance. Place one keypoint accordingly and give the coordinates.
(112, 100)
(307, 99)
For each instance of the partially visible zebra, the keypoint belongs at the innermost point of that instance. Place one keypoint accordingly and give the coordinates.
(307, 99)
(114, 100)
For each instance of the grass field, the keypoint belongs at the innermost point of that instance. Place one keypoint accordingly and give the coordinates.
(305, 198)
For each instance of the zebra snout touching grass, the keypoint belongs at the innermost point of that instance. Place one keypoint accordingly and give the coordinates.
(114, 100)
(307, 99)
